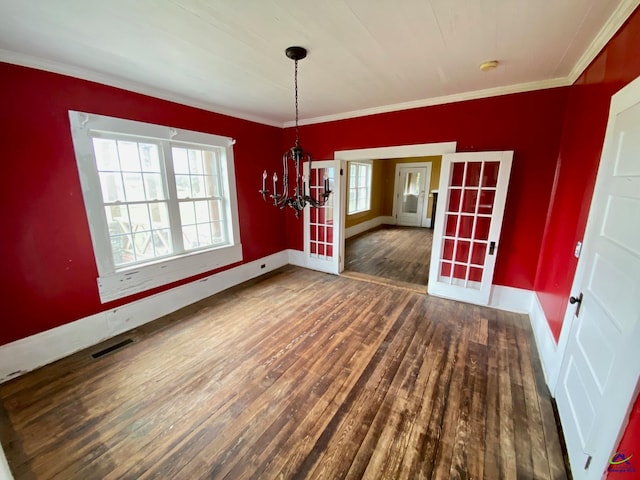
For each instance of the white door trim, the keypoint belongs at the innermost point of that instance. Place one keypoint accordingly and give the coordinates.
(397, 151)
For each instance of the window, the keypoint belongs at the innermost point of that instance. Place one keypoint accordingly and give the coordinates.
(359, 187)
(161, 203)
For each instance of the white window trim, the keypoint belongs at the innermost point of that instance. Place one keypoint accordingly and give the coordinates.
(370, 178)
(114, 284)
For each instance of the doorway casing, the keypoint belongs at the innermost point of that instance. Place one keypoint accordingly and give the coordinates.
(399, 151)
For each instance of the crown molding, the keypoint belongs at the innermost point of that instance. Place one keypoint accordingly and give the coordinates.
(613, 24)
(429, 102)
(115, 81)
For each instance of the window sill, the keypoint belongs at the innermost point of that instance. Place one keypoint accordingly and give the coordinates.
(145, 277)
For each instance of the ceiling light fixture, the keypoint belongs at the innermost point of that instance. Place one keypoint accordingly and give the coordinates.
(300, 197)
(490, 65)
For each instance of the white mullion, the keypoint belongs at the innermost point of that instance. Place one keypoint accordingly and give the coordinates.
(473, 227)
(173, 205)
(458, 220)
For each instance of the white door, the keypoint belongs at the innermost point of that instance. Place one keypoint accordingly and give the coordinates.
(321, 225)
(410, 199)
(472, 193)
(601, 364)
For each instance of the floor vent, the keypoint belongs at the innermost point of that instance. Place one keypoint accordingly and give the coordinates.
(112, 348)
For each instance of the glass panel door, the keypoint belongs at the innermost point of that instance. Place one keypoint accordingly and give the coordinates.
(468, 223)
(321, 223)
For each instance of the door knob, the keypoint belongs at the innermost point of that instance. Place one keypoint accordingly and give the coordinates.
(573, 300)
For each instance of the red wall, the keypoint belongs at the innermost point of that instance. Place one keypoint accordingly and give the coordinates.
(582, 138)
(630, 445)
(528, 123)
(48, 267)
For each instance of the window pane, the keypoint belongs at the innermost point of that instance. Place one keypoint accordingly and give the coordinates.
(122, 249)
(204, 234)
(202, 211)
(195, 162)
(197, 186)
(143, 246)
(187, 213)
(153, 186)
(218, 230)
(162, 242)
(133, 187)
(159, 215)
(129, 160)
(190, 237)
(180, 160)
(106, 154)
(139, 217)
(112, 188)
(183, 186)
(117, 219)
(212, 186)
(216, 210)
(149, 157)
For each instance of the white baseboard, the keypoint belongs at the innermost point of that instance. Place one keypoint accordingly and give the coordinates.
(511, 299)
(296, 257)
(45, 347)
(368, 225)
(550, 355)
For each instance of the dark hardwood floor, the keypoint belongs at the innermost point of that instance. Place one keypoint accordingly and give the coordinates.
(390, 255)
(297, 374)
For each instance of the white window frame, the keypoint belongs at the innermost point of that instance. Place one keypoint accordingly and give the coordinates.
(353, 185)
(118, 282)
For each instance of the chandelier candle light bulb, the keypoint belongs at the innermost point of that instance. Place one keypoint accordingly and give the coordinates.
(299, 198)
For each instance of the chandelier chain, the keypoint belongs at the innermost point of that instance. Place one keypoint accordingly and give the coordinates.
(296, 92)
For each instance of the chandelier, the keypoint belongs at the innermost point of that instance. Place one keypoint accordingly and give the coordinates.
(298, 195)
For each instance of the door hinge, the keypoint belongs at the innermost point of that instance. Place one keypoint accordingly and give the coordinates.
(587, 463)
(341, 172)
(492, 248)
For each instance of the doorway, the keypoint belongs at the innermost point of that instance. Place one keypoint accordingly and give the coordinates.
(411, 193)
(375, 247)
(391, 255)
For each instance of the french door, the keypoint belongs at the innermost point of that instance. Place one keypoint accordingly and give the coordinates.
(473, 189)
(601, 365)
(322, 224)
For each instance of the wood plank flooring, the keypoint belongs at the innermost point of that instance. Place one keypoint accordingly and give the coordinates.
(298, 374)
(390, 255)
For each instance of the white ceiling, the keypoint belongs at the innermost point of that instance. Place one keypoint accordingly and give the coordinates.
(365, 56)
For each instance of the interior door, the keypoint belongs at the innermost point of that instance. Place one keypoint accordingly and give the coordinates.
(601, 364)
(321, 225)
(410, 196)
(472, 192)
